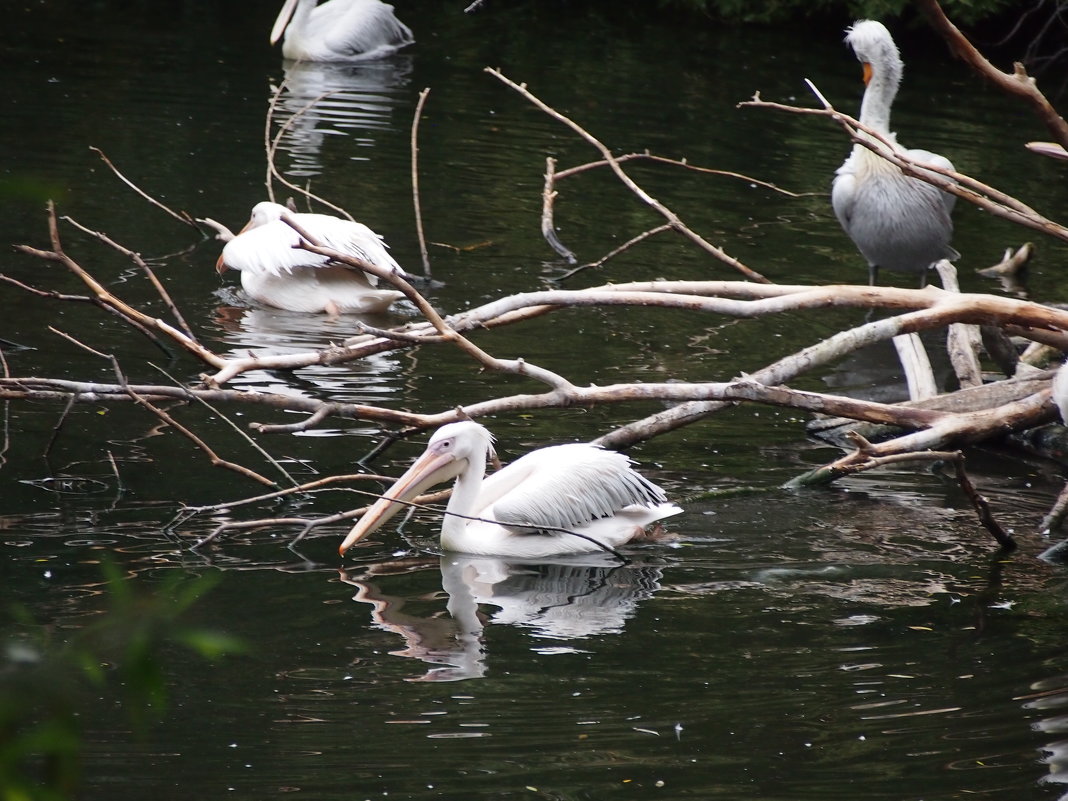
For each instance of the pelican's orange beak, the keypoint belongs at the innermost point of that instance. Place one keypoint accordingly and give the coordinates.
(220, 265)
(867, 72)
(433, 467)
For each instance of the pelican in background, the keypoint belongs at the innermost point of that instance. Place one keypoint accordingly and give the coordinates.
(896, 221)
(339, 30)
(277, 272)
(564, 499)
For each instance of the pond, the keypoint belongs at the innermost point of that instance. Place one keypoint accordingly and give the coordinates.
(864, 641)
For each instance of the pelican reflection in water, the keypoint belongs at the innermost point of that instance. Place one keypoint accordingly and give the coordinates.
(320, 102)
(565, 599)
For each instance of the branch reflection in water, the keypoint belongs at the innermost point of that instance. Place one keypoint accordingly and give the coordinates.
(565, 599)
(273, 332)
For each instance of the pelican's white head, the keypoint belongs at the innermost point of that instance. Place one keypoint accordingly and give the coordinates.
(265, 212)
(464, 440)
(875, 49)
(449, 453)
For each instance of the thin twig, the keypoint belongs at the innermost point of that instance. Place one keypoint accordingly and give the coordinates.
(612, 254)
(1018, 83)
(560, 175)
(548, 199)
(415, 182)
(148, 271)
(272, 150)
(982, 506)
(181, 217)
(109, 301)
(672, 218)
(59, 425)
(164, 416)
(236, 428)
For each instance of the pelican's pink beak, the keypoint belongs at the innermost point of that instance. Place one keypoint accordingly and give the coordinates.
(1051, 149)
(433, 467)
(283, 20)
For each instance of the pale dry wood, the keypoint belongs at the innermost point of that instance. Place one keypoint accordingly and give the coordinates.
(415, 181)
(919, 377)
(548, 200)
(963, 342)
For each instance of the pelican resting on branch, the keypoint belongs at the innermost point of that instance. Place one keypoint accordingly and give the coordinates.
(339, 30)
(564, 499)
(276, 271)
(896, 221)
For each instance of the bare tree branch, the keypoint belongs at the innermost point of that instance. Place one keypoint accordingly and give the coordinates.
(1017, 83)
(669, 215)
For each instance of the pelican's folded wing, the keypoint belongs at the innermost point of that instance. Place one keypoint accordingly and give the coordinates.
(567, 486)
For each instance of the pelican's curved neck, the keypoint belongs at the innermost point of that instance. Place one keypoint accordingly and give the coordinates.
(464, 499)
(301, 17)
(880, 93)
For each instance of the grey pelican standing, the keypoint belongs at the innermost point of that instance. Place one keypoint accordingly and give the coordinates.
(896, 221)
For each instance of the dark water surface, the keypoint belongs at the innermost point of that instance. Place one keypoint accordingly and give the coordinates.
(861, 642)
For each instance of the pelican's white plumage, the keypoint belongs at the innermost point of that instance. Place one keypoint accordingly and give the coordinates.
(1060, 393)
(339, 30)
(577, 487)
(276, 272)
(896, 221)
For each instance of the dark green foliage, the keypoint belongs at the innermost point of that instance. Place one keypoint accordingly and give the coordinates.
(45, 682)
(964, 12)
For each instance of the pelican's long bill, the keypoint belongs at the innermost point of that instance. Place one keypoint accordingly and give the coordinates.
(220, 264)
(433, 467)
(283, 20)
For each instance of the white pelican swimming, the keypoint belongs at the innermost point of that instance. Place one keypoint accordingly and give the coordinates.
(276, 272)
(590, 491)
(896, 221)
(339, 30)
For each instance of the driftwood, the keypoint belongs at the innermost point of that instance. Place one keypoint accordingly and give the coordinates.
(933, 429)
